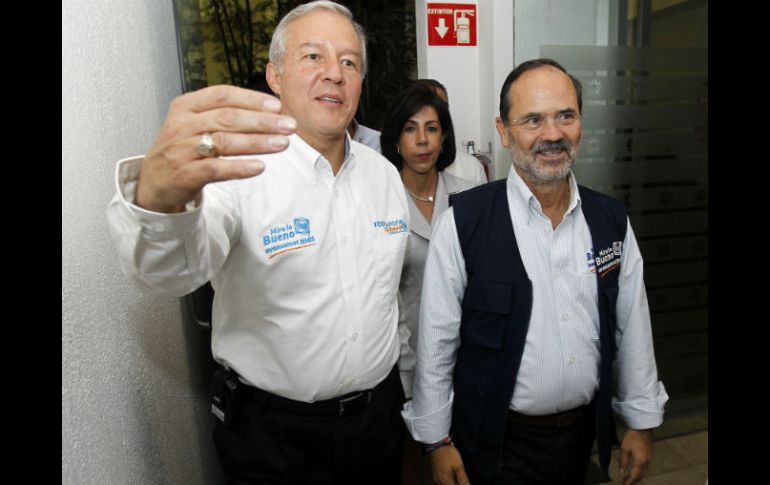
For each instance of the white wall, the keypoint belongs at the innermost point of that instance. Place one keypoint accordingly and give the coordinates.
(472, 75)
(133, 376)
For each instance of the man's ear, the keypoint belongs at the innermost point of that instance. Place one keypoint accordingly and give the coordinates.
(273, 77)
(505, 139)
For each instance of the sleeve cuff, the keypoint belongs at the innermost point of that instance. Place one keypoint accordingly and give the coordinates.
(643, 414)
(153, 223)
(430, 428)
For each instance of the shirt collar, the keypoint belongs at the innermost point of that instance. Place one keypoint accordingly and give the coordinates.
(307, 159)
(574, 194)
(526, 202)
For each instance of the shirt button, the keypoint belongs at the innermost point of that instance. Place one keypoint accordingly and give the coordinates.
(337, 194)
(350, 288)
(344, 239)
(571, 360)
(354, 337)
(565, 316)
(353, 381)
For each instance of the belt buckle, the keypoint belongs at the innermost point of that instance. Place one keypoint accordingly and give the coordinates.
(348, 400)
(341, 403)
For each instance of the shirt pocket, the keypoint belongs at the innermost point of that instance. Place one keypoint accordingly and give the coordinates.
(584, 288)
(389, 251)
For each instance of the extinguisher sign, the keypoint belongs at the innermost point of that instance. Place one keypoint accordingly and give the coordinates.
(451, 24)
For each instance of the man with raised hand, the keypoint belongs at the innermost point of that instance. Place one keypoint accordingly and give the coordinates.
(303, 245)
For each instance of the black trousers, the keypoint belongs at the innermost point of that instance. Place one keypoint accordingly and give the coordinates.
(265, 446)
(543, 455)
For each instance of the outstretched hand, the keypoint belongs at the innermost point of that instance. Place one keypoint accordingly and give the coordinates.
(239, 121)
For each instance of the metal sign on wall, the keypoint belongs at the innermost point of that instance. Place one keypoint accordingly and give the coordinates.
(452, 24)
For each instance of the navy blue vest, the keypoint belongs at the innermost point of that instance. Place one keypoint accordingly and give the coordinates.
(496, 307)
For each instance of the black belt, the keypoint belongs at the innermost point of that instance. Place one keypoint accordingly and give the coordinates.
(338, 406)
(558, 420)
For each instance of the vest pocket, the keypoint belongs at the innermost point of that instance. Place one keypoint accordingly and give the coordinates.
(488, 297)
(488, 305)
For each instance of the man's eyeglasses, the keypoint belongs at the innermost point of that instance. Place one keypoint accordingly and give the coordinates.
(535, 121)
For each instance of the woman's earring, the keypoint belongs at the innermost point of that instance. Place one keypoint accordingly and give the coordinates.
(398, 149)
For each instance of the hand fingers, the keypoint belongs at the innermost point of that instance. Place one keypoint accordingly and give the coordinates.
(228, 120)
(226, 108)
(165, 185)
(218, 169)
(636, 474)
(238, 144)
(623, 461)
(179, 163)
(221, 96)
(632, 468)
(444, 477)
(461, 477)
(238, 120)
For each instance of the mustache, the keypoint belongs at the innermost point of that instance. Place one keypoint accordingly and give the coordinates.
(551, 146)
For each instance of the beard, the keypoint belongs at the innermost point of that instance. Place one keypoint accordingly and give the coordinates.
(541, 172)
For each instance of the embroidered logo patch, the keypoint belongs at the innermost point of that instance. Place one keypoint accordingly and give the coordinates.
(608, 259)
(391, 227)
(288, 237)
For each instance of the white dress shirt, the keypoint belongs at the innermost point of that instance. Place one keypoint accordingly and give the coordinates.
(560, 364)
(410, 288)
(467, 167)
(305, 266)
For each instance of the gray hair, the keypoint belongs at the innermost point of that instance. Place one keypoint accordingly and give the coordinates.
(278, 43)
